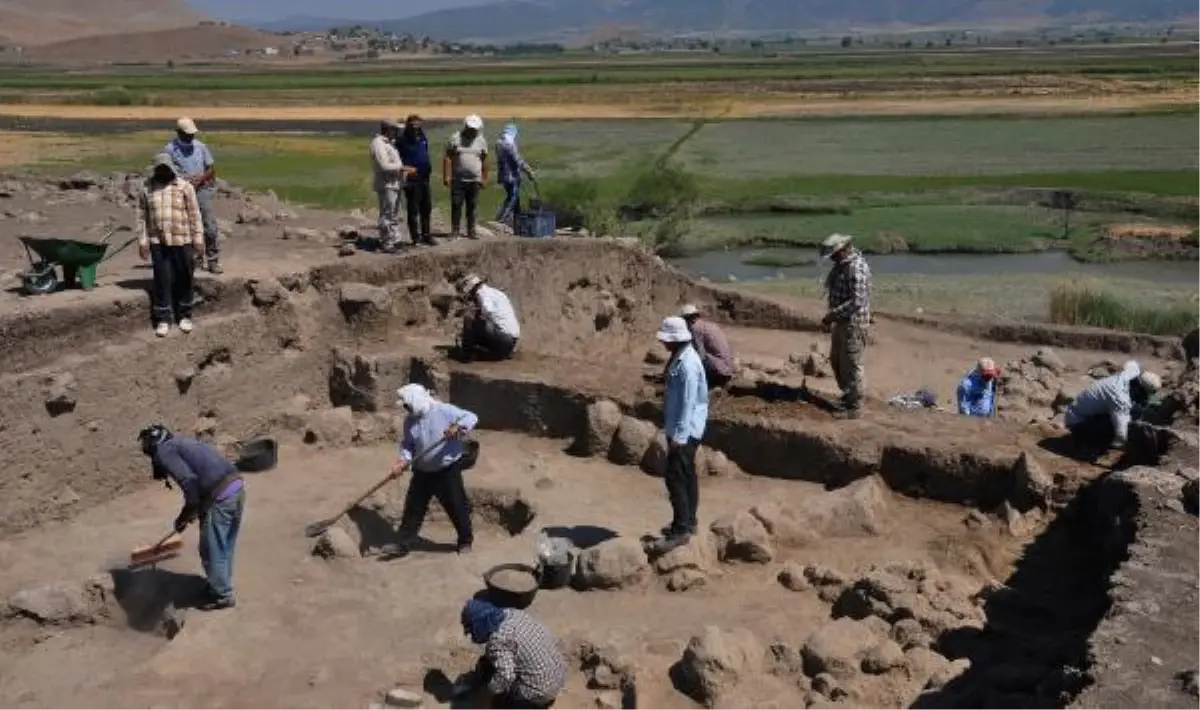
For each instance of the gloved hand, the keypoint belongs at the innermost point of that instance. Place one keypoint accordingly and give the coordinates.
(185, 517)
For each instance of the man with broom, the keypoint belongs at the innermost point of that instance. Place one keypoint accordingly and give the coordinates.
(213, 493)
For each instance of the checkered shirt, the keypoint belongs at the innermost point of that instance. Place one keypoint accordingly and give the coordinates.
(170, 215)
(849, 287)
(526, 659)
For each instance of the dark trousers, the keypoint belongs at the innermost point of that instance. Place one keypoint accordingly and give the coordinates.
(171, 292)
(683, 490)
(1095, 432)
(512, 202)
(480, 335)
(463, 195)
(447, 486)
(418, 202)
(716, 379)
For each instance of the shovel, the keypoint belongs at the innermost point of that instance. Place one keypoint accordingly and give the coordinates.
(315, 529)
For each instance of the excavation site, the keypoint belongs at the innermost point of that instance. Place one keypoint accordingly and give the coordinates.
(909, 558)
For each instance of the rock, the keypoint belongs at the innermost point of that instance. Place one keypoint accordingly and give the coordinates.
(266, 292)
(710, 462)
(681, 580)
(699, 554)
(205, 427)
(348, 232)
(402, 698)
(883, 657)
(715, 661)
(331, 427)
(65, 497)
(1190, 496)
(60, 394)
(826, 685)
(284, 214)
(821, 576)
(184, 378)
(62, 603)
(632, 440)
(33, 217)
(608, 700)
(946, 673)
(655, 356)
(358, 300)
(792, 578)
(1187, 679)
(1032, 487)
(506, 507)
(837, 648)
(613, 564)
(784, 524)
(854, 510)
(816, 365)
(785, 661)
(654, 462)
(347, 250)
(603, 418)
(1047, 358)
(742, 538)
(335, 542)
(605, 668)
(909, 633)
(303, 234)
(253, 214)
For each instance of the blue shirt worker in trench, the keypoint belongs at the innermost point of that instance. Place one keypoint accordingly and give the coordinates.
(194, 163)
(977, 391)
(432, 448)
(685, 414)
(213, 493)
(522, 665)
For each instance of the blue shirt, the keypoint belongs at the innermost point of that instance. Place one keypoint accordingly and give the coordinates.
(509, 161)
(976, 396)
(414, 152)
(685, 409)
(190, 160)
(425, 431)
(194, 465)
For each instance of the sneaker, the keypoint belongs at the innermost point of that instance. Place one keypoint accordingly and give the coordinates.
(666, 544)
(185, 325)
(214, 267)
(473, 237)
(464, 548)
(162, 329)
(217, 604)
(430, 241)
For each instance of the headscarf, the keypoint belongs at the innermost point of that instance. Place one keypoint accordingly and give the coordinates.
(509, 134)
(416, 398)
(481, 619)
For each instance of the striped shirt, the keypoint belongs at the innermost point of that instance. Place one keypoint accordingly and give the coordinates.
(170, 215)
(849, 287)
(526, 661)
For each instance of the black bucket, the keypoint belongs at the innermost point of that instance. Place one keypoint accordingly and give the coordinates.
(555, 576)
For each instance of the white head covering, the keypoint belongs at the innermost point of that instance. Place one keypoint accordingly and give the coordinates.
(835, 243)
(186, 126)
(416, 398)
(674, 330)
(689, 310)
(473, 121)
(1150, 382)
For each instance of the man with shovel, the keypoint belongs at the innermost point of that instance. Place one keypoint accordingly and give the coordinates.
(213, 493)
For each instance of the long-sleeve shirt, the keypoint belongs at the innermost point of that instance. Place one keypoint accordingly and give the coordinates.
(976, 396)
(169, 214)
(509, 162)
(526, 661)
(191, 159)
(196, 467)
(498, 310)
(713, 346)
(386, 163)
(849, 288)
(685, 409)
(414, 152)
(423, 432)
(1109, 396)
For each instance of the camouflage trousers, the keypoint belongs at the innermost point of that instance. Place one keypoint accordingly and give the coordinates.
(848, 343)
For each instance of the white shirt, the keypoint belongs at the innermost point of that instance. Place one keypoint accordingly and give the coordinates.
(496, 307)
(1107, 396)
(385, 160)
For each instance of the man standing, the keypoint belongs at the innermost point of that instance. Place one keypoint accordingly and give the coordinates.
(414, 152)
(977, 391)
(511, 168)
(685, 414)
(849, 289)
(213, 493)
(194, 163)
(522, 664)
(465, 172)
(170, 234)
(432, 448)
(712, 345)
(389, 177)
(1100, 416)
(490, 328)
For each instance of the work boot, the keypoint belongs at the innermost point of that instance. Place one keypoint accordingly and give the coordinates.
(217, 604)
(668, 543)
(214, 267)
(429, 241)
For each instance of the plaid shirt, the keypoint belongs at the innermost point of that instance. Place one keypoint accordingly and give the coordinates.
(526, 660)
(170, 215)
(849, 287)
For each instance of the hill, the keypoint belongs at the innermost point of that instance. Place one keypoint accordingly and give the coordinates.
(207, 41)
(34, 22)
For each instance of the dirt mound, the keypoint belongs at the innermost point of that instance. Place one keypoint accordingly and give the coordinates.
(203, 41)
(36, 22)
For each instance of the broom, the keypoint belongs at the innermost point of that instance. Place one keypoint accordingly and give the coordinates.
(164, 549)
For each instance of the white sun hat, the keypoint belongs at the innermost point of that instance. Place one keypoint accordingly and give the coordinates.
(835, 243)
(689, 310)
(186, 126)
(473, 121)
(674, 330)
(1150, 382)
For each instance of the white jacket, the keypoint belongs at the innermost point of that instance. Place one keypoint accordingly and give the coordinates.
(1107, 396)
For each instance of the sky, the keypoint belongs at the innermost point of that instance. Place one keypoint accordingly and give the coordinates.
(259, 10)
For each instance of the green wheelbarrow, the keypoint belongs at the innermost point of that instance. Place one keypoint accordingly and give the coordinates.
(77, 259)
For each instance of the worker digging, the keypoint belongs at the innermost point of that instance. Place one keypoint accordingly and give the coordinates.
(490, 328)
(213, 494)
(1100, 416)
(521, 667)
(712, 346)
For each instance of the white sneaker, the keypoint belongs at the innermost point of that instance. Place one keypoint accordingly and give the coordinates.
(162, 329)
(185, 325)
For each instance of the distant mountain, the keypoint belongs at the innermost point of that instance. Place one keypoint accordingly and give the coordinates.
(306, 23)
(543, 19)
(33, 22)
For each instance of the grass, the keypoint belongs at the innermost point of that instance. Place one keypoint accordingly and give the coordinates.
(1083, 304)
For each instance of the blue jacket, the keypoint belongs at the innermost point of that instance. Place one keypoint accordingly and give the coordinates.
(685, 409)
(976, 396)
(422, 434)
(194, 465)
(508, 157)
(414, 152)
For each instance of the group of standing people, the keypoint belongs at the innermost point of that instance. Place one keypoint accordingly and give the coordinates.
(403, 170)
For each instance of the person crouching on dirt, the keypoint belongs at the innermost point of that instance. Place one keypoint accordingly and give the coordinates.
(977, 390)
(522, 665)
(712, 346)
(170, 235)
(685, 414)
(490, 328)
(432, 447)
(1100, 416)
(213, 493)
(849, 315)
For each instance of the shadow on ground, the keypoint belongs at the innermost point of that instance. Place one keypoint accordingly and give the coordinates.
(145, 595)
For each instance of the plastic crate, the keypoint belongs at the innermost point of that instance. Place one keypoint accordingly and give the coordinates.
(539, 224)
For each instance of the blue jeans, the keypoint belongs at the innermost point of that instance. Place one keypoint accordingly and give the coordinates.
(218, 541)
(512, 201)
(204, 196)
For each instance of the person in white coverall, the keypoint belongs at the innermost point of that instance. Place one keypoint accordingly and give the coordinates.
(1101, 414)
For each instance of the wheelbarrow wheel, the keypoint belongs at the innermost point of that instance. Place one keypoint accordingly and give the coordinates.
(41, 278)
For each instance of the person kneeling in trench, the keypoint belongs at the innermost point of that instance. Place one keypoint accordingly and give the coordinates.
(490, 328)
(522, 665)
(213, 493)
(1101, 415)
(433, 448)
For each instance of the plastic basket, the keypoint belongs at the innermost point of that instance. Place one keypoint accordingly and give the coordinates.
(539, 224)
